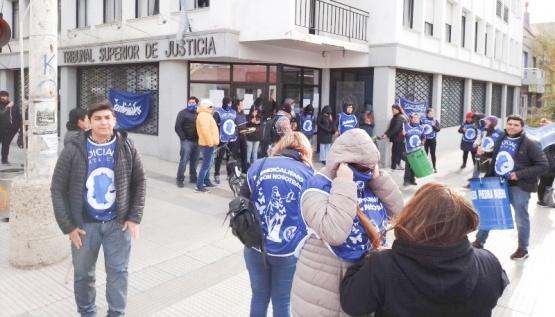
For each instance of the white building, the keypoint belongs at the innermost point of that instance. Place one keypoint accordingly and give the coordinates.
(458, 55)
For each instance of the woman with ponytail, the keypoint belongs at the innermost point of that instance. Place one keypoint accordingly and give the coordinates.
(346, 207)
(432, 269)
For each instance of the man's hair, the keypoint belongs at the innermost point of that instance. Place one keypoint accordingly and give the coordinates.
(77, 114)
(436, 215)
(4, 93)
(517, 118)
(194, 98)
(99, 106)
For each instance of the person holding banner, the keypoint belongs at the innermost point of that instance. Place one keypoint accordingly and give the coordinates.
(469, 133)
(415, 138)
(431, 128)
(396, 135)
(520, 160)
(346, 120)
(431, 268)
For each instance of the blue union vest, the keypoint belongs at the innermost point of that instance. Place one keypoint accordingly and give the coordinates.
(413, 137)
(471, 132)
(489, 141)
(428, 129)
(277, 199)
(228, 129)
(505, 159)
(357, 243)
(347, 122)
(100, 188)
(307, 124)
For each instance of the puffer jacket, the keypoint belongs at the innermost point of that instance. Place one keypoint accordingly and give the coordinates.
(185, 125)
(208, 133)
(319, 272)
(70, 175)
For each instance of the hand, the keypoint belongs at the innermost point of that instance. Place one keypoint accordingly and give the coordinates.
(480, 151)
(133, 228)
(464, 129)
(75, 237)
(376, 172)
(513, 176)
(344, 171)
(383, 136)
(434, 123)
(10, 104)
(336, 133)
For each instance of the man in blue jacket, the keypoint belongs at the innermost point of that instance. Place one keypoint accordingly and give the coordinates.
(521, 161)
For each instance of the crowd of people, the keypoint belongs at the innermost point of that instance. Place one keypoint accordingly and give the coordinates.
(326, 250)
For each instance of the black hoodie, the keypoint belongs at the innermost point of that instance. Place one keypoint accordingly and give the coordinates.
(424, 280)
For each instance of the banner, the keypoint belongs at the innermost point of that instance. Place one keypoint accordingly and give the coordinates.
(411, 107)
(545, 134)
(131, 108)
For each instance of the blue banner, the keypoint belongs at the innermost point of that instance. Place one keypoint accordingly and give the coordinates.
(131, 108)
(411, 107)
(490, 198)
(545, 134)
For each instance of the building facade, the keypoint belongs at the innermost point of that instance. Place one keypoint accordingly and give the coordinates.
(458, 55)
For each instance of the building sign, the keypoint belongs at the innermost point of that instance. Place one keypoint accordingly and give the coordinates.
(165, 49)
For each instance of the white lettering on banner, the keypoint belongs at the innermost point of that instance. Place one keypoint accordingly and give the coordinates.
(128, 109)
(489, 194)
(284, 171)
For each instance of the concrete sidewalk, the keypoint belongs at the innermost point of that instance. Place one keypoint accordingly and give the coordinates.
(186, 263)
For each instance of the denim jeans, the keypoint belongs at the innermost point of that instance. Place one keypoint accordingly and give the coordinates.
(519, 200)
(189, 153)
(252, 151)
(272, 282)
(116, 245)
(207, 158)
(324, 150)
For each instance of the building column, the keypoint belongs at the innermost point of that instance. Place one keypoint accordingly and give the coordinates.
(173, 95)
(467, 99)
(503, 106)
(325, 88)
(489, 89)
(68, 98)
(516, 101)
(384, 83)
(436, 95)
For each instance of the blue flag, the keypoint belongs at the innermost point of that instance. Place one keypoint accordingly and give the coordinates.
(411, 107)
(131, 108)
(545, 134)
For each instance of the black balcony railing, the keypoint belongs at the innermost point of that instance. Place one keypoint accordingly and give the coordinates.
(331, 17)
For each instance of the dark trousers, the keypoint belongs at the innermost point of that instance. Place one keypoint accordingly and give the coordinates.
(220, 156)
(465, 157)
(430, 146)
(409, 174)
(242, 153)
(6, 138)
(545, 181)
(397, 149)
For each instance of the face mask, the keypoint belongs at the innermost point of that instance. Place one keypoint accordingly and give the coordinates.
(361, 179)
(191, 107)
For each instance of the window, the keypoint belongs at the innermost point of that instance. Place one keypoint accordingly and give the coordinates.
(499, 8)
(428, 28)
(112, 11)
(447, 33)
(486, 44)
(15, 19)
(463, 30)
(506, 14)
(476, 36)
(144, 8)
(82, 14)
(59, 16)
(408, 13)
(202, 3)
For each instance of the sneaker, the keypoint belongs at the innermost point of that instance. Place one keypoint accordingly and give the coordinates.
(541, 204)
(217, 179)
(413, 183)
(519, 255)
(6, 163)
(466, 186)
(210, 185)
(406, 184)
(192, 180)
(435, 171)
(392, 170)
(477, 244)
(202, 190)
(399, 167)
(463, 166)
(180, 183)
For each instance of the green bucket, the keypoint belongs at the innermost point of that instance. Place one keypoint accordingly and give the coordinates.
(419, 162)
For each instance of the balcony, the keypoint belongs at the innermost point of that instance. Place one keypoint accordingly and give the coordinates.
(533, 77)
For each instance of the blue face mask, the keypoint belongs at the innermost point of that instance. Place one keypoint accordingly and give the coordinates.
(191, 107)
(361, 179)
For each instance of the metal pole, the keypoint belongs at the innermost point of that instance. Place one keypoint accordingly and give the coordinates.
(24, 103)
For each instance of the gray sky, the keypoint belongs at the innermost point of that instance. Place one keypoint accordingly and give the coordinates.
(541, 11)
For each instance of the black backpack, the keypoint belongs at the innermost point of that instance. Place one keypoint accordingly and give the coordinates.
(245, 222)
(268, 131)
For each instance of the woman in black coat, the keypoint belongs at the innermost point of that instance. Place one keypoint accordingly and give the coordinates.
(326, 130)
(431, 269)
(396, 136)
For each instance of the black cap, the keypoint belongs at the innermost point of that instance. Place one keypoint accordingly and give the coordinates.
(285, 107)
(4, 93)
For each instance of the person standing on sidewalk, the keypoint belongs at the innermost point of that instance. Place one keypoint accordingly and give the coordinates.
(415, 138)
(547, 178)
(208, 138)
(431, 128)
(520, 160)
(98, 193)
(78, 123)
(10, 123)
(469, 133)
(226, 118)
(186, 129)
(395, 133)
(326, 130)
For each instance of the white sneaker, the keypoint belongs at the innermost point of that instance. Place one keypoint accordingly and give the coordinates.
(392, 170)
